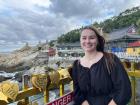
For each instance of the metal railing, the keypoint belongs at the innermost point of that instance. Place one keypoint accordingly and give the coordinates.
(133, 73)
(23, 96)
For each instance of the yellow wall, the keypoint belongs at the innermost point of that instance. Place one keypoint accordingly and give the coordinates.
(133, 51)
(138, 50)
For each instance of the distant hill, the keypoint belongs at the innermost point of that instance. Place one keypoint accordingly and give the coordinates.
(124, 19)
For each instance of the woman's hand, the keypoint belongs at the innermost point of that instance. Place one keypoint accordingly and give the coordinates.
(112, 102)
(85, 103)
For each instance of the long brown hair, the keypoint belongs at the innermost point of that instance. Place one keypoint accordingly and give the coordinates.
(109, 61)
(109, 57)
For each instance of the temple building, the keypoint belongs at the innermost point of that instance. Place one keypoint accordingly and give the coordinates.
(118, 40)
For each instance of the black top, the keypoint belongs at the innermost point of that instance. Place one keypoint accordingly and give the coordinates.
(98, 86)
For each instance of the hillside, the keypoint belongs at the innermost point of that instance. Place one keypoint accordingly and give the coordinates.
(124, 19)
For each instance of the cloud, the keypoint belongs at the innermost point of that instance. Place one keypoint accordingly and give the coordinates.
(24, 4)
(86, 9)
(32, 26)
(37, 20)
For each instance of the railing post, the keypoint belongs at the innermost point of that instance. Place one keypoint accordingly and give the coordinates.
(25, 86)
(61, 89)
(133, 83)
(46, 96)
(71, 86)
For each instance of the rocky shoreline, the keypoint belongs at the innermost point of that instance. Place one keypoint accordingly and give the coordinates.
(19, 60)
(22, 60)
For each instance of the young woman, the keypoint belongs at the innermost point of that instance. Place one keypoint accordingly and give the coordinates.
(99, 77)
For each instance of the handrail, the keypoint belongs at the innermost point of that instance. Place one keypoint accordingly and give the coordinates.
(135, 73)
(23, 96)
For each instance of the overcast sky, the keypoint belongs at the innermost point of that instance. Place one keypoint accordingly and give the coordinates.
(39, 20)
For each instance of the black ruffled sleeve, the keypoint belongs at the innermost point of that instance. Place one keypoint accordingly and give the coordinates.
(78, 96)
(121, 93)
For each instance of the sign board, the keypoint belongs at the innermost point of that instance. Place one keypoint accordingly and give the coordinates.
(64, 100)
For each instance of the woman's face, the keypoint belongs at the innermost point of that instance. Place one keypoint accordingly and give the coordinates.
(88, 40)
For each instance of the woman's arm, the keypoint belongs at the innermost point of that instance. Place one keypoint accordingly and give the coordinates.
(79, 97)
(121, 92)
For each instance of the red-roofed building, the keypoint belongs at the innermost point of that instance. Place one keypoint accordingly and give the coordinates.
(51, 52)
(134, 44)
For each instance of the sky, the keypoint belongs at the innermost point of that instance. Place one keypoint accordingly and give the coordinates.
(32, 21)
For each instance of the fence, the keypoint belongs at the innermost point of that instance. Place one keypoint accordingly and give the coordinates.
(22, 97)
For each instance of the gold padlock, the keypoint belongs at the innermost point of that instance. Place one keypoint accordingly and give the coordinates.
(3, 97)
(54, 77)
(10, 89)
(40, 81)
(64, 73)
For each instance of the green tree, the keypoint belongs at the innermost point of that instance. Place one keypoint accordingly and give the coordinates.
(51, 43)
(138, 24)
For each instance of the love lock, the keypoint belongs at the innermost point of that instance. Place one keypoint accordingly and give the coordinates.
(64, 73)
(10, 89)
(3, 97)
(54, 77)
(40, 81)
